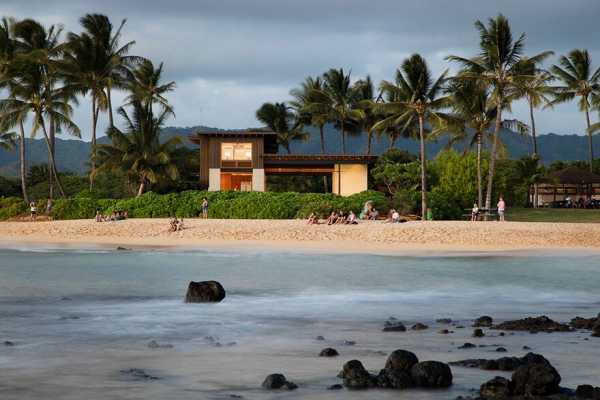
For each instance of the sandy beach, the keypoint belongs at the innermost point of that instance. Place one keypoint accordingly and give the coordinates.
(377, 237)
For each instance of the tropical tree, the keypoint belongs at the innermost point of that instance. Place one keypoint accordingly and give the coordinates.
(138, 151)
(8, 140)
(498, 67)
(280, 119)
(8, 52)
(367, 101)
(304, 99)
(146, 87)
(535, 88)
(338, 99)
(417, 97)
(579, 80)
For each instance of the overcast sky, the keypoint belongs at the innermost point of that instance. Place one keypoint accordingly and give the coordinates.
(229, 56)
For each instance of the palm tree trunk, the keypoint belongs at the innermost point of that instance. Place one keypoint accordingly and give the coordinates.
(369, 137)
(493, 151)
(52, 160)
(23, 162)
(51, 154)
(423, 169)
(590, 141)
(533, 133)
(479, 180)
(141, 187)
(343, 137)
(93, 155)
(392, 141)
(110, 110)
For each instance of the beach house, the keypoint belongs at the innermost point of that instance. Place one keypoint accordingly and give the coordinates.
(243, 160)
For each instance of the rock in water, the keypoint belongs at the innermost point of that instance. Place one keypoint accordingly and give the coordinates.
(536, 378)
(478, 333)
(355, 376)
(278, 381)
(329, 352)
(396, 374)
(419, 327)
(483, 322)
(394, 326)
(401, 360)
(205, 292)
(536, 324)
(431, 374)
(498, 388)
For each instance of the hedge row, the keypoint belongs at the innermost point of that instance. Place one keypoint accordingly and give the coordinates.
(254, 205)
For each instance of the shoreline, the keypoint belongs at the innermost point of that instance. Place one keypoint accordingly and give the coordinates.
(411, 238)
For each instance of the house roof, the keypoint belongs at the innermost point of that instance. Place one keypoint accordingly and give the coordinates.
(318, 158)
(573, 176)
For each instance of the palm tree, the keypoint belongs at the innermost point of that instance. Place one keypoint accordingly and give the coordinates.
(8, 140)
(8, 51)
(303, 106)
(138, 151)
(498, 67)
(579, 80)
(115, 62)
(145, 86)
(416, 97)
(366, 101)
(338, 99)
(535, 88)
(280, 119)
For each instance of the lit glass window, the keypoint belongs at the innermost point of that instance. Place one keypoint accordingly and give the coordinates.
(236, 151)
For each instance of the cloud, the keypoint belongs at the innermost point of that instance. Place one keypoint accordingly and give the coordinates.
(229, 56)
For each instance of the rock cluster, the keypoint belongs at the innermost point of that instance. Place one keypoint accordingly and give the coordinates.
(533, 324)
(329, 352)
(205, 292)
(500, 364)
(393, 325)
(402, 370)
(483, 322)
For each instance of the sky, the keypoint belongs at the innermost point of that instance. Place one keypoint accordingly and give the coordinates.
(228, 57)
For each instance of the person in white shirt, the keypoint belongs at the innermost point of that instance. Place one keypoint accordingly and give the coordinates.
(475, 212)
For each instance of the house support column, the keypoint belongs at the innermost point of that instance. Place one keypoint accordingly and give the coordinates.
(214, 179)
(258, 180)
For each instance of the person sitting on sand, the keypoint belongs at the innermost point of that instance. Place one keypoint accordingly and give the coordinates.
(99, 217)
(341, 218)
(366, 211)
(373, 214)
(351, 220)
(332, 218)
(33, 210)
(179, 225)
(173, 224)
(475, 212)
(313, 219)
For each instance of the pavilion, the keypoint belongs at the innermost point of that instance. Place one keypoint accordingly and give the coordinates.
(570, 182)
(242, 160)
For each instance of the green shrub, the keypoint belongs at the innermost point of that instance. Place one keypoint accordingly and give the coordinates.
(254, 205)
(11, 207)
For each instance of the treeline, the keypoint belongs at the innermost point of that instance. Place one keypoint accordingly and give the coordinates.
(469, 106)
(44, 72)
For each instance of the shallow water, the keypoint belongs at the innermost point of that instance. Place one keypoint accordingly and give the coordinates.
(78, 317)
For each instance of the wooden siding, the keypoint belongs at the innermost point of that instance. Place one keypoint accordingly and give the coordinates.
(214, 156)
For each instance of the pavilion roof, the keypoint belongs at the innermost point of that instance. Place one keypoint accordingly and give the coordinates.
(573, 176)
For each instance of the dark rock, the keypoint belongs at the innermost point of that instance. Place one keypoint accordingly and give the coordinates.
(431, 374)
(444, 332)
(394, 326)
(443, 321)
(401, 360)
(69, 317)
(536, 378)
(419, 327)
(483, 322)
(329, 352)
(583, 323)
(467, 346)
(501, 364)
(501, 334)
(596, 329)
(526, 348)
(533, 325)
(8, 343)
(509, 363)
(394, 379)
(478, 333)
(230, 344)
(587, 392)
(204, 292)
(278, 381)
(489, 365)
(153, 344)
(138, 374)
(349, 342)
(498, 388)
(460, 327)
(120, 248)
(320, 338)
(65, 298)
(501, 350)
(355, 376)
(337, 386)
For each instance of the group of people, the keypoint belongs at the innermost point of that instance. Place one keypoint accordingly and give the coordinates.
(114, 216)
(580, 203)
(501, 207)
(394, 217)
(176, 225)
(335, 218)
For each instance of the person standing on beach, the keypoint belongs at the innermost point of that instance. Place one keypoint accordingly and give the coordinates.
(501, 209)
(204, 208)
(33, 209)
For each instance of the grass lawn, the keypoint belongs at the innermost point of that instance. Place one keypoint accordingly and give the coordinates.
(552, 215)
